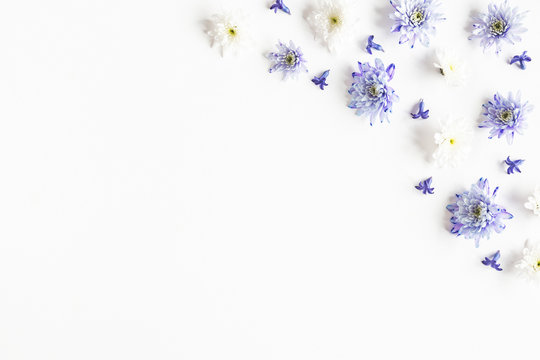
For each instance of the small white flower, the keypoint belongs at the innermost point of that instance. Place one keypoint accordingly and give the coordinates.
(534, 201)
(529, 265)
(452, 67)
(229, 31)
(453, 142)
(332, 22)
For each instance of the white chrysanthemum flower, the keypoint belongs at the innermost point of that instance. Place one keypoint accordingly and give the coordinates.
(229, 31)
(332, 21)
(529, 265)
(452, 67)
(534, 201)
(453, 142)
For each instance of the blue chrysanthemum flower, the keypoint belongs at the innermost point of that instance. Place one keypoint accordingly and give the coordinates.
(370, 93)
(501, 23)
(505, 116)
(475, 215)
(415, 19)
(288, 59)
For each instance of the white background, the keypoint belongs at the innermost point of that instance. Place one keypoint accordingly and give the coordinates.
(158, 201)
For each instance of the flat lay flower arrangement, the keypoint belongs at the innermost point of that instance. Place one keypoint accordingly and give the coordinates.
(475, 213)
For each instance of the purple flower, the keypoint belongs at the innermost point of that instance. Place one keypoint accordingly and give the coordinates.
(501, 23)
(373, 45)
(493, 261)
(424, 114)
(505, 116)
(279, 5)
(370, 93)
(520, 60)
(425, 186)
(513, 165)
(321, 80)
(415, 19)
(289, 60)
(475, 215)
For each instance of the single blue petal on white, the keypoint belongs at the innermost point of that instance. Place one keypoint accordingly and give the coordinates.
(424, 114)
(520, 60)
(370, 93)
(279, 5)
(321, 80)
(500, 24)
(492, 262)
(475, 215)
(505, 116)
(373, 45)
(415, 20)
(289, 59)
(513, 165)
(425, 186)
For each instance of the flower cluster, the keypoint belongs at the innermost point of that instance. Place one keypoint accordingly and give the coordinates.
(475, 215)
(415, 19)
(370, 93)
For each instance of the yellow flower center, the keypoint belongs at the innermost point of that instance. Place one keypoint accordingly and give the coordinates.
(497, 27)
(506, 116)
(417, 17)
(290, 58)
(232, 31)
(335, 21)
(452, 141)
(452, 68)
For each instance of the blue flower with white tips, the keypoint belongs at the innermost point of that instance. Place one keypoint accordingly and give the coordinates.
(415, 19)
(288, 59)
(475, 214)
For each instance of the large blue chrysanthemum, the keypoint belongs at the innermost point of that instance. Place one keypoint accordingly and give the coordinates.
(505, 116)
(415, 19)
(370, 93)
(501, 23)
(475, 215)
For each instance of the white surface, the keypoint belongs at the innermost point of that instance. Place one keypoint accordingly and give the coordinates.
(160, 202)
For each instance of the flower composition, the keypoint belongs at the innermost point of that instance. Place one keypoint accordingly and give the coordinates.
(453, 142)
(501, 23)
(493, 261)
(230, 31)
(533, 202)
(529, 265)
(370, 93)
(321, 80)
(475, 215)
(415, 19)
(452, 67)
(288, 59)
(332, 21)
(505, 116)
(520, 60)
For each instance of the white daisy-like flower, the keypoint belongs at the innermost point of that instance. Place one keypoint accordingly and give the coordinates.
(534, 201)
(529, 265)
(452, 67)
(332, 21)
(453, 142)
(230, 31)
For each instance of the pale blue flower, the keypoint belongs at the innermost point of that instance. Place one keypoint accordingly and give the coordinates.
(475, 215)
(288, 59)
(500, 23)
(370, 93)
(415, 19)
(520, 60)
